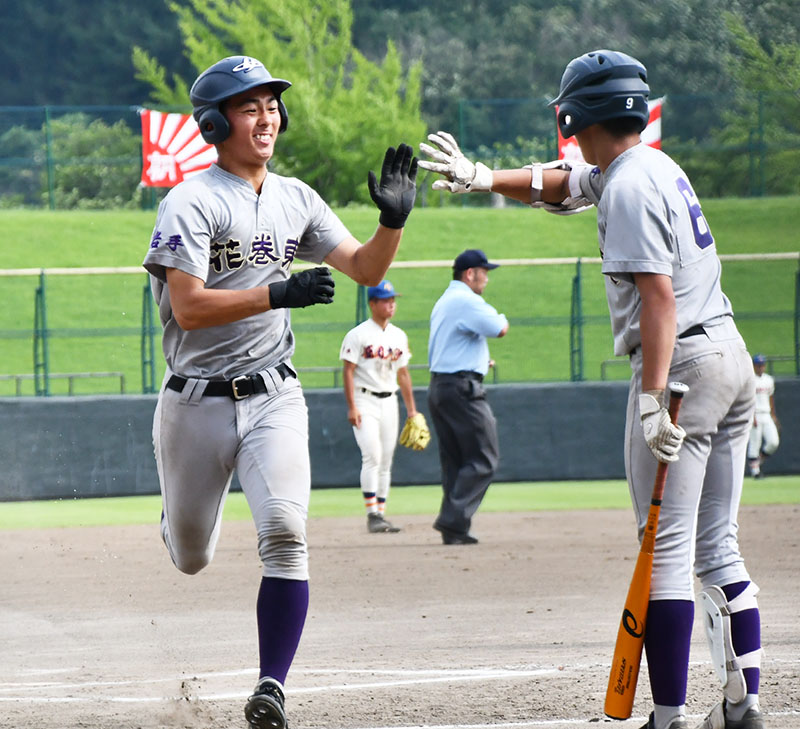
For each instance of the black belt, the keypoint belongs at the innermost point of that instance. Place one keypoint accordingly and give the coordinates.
(377, 394)
(694, 331)
(469, 374)
(237, 389)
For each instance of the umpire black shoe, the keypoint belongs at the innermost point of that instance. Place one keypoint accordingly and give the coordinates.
(264, 709)
(376, 523)
(452, 537)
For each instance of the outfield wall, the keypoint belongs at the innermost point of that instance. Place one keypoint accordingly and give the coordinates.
(71, 447)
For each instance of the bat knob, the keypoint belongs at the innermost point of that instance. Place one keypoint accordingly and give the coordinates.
(678, 389)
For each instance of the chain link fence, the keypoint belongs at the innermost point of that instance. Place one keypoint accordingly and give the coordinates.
(69, 341)
(63, 157)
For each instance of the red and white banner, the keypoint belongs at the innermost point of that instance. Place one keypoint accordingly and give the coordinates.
(569, 150)
(172, 149)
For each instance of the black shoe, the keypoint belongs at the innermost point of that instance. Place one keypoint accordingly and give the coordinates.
(679, 723)
(376, 523)
(449, 536)
(718, 717)
(264, 709)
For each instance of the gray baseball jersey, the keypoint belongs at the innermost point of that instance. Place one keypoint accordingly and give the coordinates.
(649, 220)
(217, 228)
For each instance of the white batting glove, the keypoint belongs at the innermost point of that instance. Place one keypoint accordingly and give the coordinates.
(663, 437)
(462, 175)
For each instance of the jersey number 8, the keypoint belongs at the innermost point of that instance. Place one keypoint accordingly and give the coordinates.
(702, 233)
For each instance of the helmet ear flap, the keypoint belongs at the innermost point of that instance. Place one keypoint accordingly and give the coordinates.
(570, 118)
(284, 116)
(214, 127)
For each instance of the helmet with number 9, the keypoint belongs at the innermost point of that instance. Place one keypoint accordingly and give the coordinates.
(224, 79)
(600, 86)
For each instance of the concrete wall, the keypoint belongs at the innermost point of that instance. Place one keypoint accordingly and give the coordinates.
(67, 447)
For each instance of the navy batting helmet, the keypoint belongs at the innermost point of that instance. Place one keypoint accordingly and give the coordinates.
(759, 359)
(599, 86)
(224, 79)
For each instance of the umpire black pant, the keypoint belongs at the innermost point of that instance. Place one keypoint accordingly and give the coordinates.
(468, 448)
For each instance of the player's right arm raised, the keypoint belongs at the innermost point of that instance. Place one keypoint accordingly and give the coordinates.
(540, 185)
(394, 195)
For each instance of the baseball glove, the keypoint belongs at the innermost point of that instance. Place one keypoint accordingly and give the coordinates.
(416, 434)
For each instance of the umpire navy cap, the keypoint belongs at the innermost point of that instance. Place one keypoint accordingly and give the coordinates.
(384, 290)
(473, 258)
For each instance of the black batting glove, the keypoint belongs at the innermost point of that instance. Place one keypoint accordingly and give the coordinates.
(397, 190)
(314, 286)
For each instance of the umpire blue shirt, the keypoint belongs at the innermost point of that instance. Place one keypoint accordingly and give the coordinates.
(461, 321)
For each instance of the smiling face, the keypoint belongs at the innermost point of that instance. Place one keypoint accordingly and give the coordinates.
(254, 119)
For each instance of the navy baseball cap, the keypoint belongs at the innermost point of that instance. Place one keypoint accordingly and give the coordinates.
(759, 359)
(384, 290)
(473, 258)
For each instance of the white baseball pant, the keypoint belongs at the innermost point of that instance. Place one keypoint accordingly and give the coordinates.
(764, 436)
(199, 441)
(377, 440)
(697, 526)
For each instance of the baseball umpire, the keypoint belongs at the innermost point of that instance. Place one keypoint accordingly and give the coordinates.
(375, 356)
(220, 259)
(669, 314)
(466, 429)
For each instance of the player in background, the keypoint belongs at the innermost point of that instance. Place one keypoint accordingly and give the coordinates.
(670, 316)
(375, 355)
(220, 260)
(764, 437)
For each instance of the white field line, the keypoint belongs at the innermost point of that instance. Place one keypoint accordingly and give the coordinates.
(405, 678)
(410, 678)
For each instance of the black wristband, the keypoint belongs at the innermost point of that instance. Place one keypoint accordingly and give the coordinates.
(392, 220)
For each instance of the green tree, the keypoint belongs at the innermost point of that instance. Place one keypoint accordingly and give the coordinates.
(762, 122)
(344, 110)
(96, 165)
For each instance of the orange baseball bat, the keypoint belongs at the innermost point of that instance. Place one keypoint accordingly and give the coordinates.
(630, 636)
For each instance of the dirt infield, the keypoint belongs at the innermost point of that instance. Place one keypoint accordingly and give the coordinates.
(99, 631)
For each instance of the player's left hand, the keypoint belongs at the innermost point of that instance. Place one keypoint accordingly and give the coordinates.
(314, 286)
(416, 434)
(662, 436)
(397, 190)
(462, 175)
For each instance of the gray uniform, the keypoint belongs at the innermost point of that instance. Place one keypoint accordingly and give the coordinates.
(217, 228)
(650, 221)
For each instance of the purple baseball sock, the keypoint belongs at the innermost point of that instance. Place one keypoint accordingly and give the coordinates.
(667, 637)
(281, 611)
(745, 633)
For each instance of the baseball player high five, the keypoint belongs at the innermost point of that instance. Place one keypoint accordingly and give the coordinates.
(669, 314)
(220, 263)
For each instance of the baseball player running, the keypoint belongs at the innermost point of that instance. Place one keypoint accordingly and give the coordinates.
(669, 314)
(375, 355)
(220, 259)
(764, 437)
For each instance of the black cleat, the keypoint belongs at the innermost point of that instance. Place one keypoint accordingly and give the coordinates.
(264, 709)
(376, 524)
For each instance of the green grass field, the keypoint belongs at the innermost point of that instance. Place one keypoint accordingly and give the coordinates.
(95, 320)
(405, 500)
